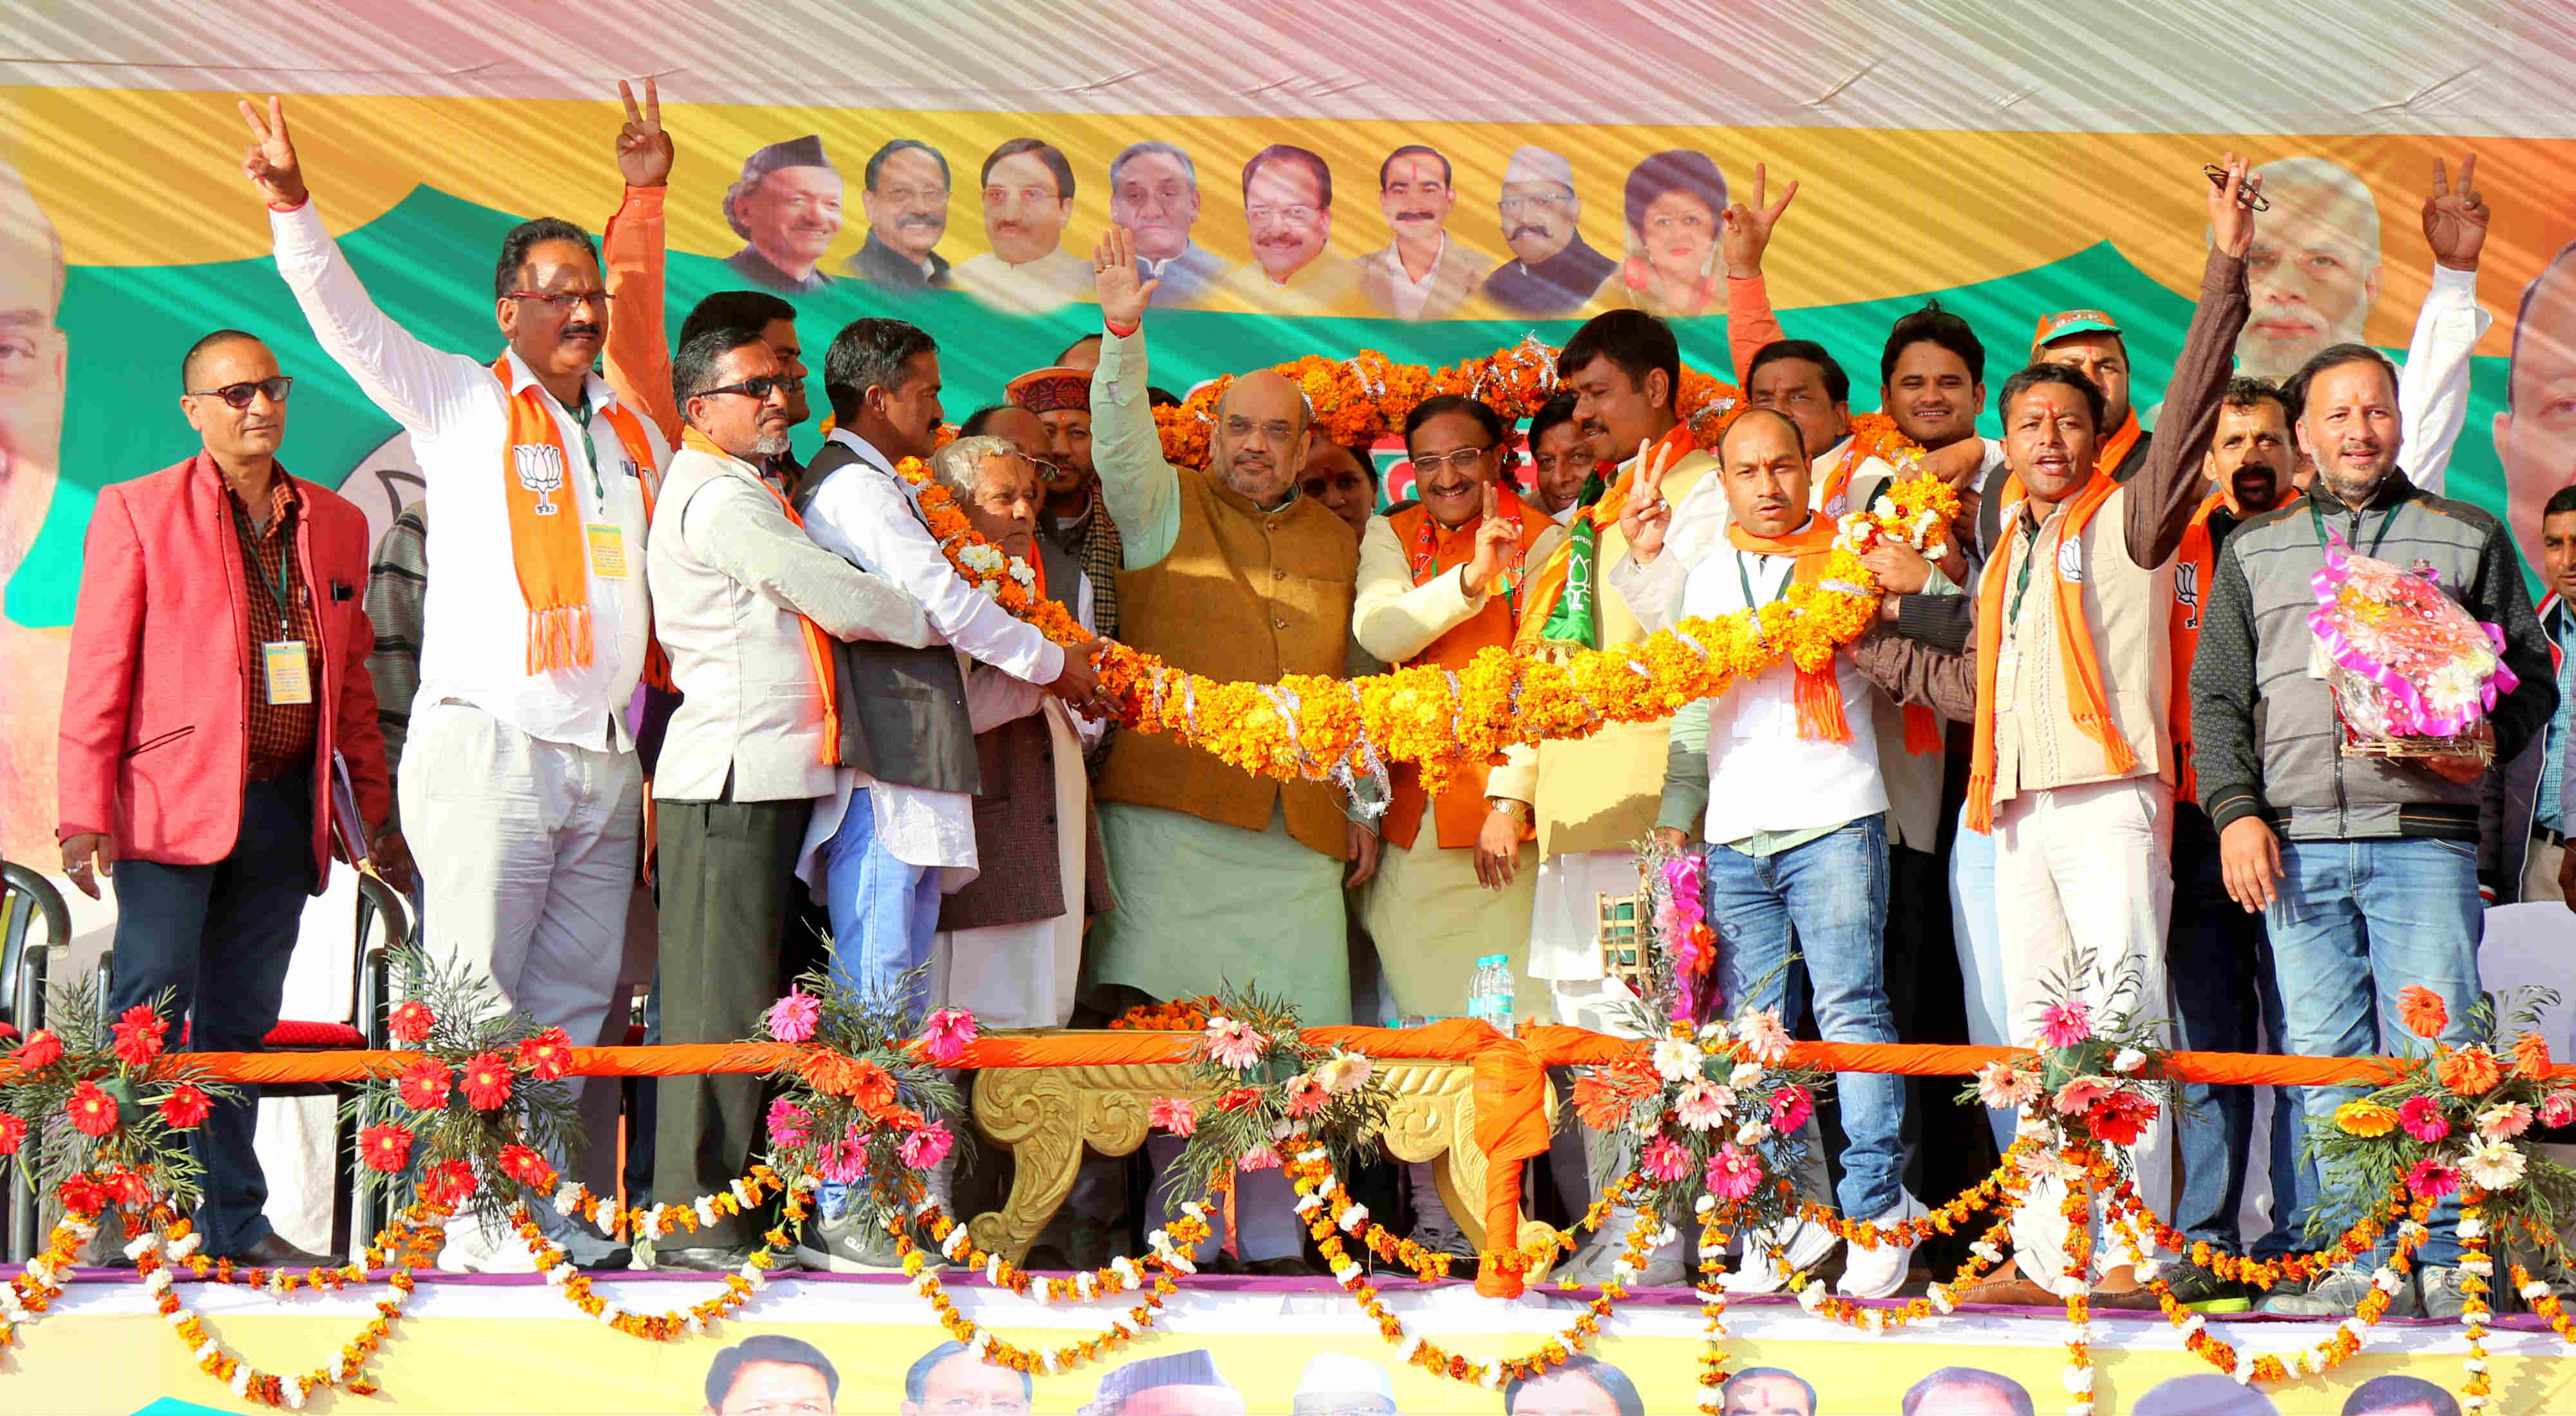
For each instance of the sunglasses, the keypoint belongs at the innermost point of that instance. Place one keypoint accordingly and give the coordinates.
(239, 395)
(760, 387)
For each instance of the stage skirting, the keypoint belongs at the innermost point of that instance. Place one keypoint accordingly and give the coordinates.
(487, 1344)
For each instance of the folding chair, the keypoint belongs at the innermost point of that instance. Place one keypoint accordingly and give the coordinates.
(25, 898)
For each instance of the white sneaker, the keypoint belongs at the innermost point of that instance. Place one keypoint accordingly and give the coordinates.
(1803, 1247)
(1879, 1272)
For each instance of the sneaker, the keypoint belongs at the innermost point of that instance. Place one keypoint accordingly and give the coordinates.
(2204, 1292)
(847, 1243)
(1804, 1247)
(1879, 1272)
(2441, 1294)
(2335, 1294)
(727, 1258)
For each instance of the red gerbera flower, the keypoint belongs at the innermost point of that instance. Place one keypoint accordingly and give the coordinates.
(186, 1106)
(2120, 1117)
(41, 1049)
(524, 1165)
(385, 1148)
(1238, 1098)
(82, 1195)
(93, 1112)
(130, 1189)
(548, 1055)
(487, 1081)
(411, 1022)
(139, 1035)
(447, 1182)
(424, 1084)
(13, 1133)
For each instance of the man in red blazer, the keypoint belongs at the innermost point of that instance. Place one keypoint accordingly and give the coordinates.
(218, 663)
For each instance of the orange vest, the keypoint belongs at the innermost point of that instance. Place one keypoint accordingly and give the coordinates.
(1459, 815)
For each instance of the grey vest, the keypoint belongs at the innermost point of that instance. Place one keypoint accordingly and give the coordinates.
(903, 711)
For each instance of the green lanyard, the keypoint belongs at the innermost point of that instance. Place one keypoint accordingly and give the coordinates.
(2317, 514)
(2021, 582)
(1744, 578)
(285, 561)
(589, 459)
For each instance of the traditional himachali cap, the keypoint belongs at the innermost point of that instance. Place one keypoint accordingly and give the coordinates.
(1337, 1374)
(2066, 322)
(1192, 1368)
(1050, 390)
(806, 151)
(1537, 164)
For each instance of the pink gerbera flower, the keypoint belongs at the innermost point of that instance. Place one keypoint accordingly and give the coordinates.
(2558, 1108)
(1260, 1157)
(925, 1148)
(2422, 1118)
(2065, 1024)
(1765, 1040)
(1665, 1160)
(787, 1123)
(2431, 1180)
(845, 1161)
(2005, 1087)
(1233, 1044)
(1174, 1114)
(2505, 1121)
(1790, 1108)
(1703, 1105)
(1306, 1096)
(792, 1018)
(1734, 1172)
(2079, 1095)
(944, 1034)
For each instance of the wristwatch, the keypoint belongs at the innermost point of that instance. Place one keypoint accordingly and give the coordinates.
(1518, 811)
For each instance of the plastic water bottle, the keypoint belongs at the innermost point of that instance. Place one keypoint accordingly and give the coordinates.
(1489, 994)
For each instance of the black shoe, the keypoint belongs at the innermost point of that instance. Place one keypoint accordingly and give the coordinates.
(1286, 1266)
(727, 1258)
(273, 1252)
(2204, 1292)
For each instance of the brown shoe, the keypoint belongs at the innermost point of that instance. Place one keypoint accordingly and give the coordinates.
(273, 1251)
(2006, 1286)
(2119, 1288)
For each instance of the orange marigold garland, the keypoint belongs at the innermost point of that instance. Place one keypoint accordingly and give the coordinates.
(2477, 1269)
(1151, 1280)
(743, 1196)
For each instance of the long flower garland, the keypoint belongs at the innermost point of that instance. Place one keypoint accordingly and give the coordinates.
(743, 1196)
(1151, 1280)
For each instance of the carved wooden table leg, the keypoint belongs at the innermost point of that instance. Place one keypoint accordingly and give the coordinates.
(1032, 1111)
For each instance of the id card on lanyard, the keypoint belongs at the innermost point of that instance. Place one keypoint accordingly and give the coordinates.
(286, 668)
(605, 538)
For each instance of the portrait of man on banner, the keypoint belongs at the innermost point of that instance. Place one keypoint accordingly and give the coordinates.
(34, 359)
(1028, 196)
(1555, 272)
(906, 199)
(1288, 219)
(1421, 274)
(2313, 274)
(1154, 192)
(787, 206)
(2535, 435)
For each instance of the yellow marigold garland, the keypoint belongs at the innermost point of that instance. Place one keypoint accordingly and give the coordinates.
(1151, 1280)
(743, 1196)
(2476, 1268)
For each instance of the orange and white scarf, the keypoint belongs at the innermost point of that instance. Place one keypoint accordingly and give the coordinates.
(2078, 664)
(549, 546)
(1819, 691)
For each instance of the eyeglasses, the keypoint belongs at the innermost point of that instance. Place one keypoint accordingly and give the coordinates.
(2246, 197)
(1463, 460)
(1048, 468)
(239, 395)
(567, 302)
(1240, 427)
(758, 387)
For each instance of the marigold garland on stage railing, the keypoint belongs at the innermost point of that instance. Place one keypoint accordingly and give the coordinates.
(743, 1196)
(1152, 1280)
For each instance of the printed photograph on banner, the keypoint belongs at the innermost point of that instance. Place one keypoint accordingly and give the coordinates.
(1583, 1386)
(2535, 435)
(2397, 1394)
(1767, 1391)
(1288, 221)
(1673, 203)
(787, 208)
(1028, 197)
(34, 363)
(949, 1380)
(1553, 272)
(905, 197)
(2312, 276)
(1421, 274)
(1154, 192)
(1171, 1384)
(1334, 1384)
(1967, 1391)
(772, 1372)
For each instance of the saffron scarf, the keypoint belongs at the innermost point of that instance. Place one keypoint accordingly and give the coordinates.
(2194, 563)
(818, 645)
(2077, 662)
(1422, 557)
(1560, 604)
(1819, 692)
(549, 546)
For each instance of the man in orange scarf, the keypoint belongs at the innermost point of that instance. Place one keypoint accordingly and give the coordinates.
(1796, 864)
(2068, 677)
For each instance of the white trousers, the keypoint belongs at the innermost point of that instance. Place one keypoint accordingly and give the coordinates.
(2084, 874)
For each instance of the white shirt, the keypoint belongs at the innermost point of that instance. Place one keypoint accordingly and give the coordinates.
(2433, 387)
(866, 514)
(1409, 294)
(473, 641)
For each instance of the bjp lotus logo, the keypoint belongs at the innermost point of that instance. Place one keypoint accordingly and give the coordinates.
(541, 470)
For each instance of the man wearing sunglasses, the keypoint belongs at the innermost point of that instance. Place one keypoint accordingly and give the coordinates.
(211, 809)
(747, 607)
(524, 789)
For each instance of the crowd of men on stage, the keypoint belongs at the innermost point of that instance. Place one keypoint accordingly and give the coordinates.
(625, 629)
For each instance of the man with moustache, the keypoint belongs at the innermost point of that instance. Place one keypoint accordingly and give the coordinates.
(1422, 274)
(535, 628)
(746, 605)
(787, 206)
(2526, 858)
(1554, 271)
(1059, 399)
(2365, 866)
(2535, 435)
(1288, 219)
(219, 686)
(952, 1380)
(34, 358)
(1154, 192)
(1028, 194)
(1231, 574)
(906, 199)
(1561, 462)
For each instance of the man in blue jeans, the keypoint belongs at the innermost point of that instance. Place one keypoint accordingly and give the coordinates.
(1797, 809)
(2365, 867)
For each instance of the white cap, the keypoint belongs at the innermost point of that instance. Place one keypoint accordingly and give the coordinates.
(1335, 1374)
(1537, 164)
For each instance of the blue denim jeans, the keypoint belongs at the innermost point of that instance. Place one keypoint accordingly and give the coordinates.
(884, 913)
(1826, 902)
(2219, 962)
(1979, 940)
(2353, 923)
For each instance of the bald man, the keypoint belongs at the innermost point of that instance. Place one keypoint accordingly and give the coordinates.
(1220, 876)
(32, 362)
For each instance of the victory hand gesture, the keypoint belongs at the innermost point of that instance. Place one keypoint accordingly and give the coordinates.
(1495, 542)
(1113, 265)
(269, 162)
(644, 151)
(1648, 516)
(2455, 223)
(1745, 231)
(2231, 213)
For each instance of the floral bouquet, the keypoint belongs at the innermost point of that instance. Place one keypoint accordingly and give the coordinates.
(468, 1123)
(1269, 1084)
(2459, 1116)
(1712, 1115)
(2412, 674)
(1673, 978)
(99, 1112)
(2092, 1078)
(867, 1094)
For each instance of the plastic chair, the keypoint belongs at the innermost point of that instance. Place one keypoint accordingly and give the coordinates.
(25, 898)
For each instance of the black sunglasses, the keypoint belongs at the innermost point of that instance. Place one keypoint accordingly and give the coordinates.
(759, 387)
(239, 395)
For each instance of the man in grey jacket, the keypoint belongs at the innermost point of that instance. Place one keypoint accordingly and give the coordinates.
(2365, 866)
(743, 602)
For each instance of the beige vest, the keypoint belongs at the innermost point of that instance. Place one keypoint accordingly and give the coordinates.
(1245, 596)
(2037, 745)
(1913, 779)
